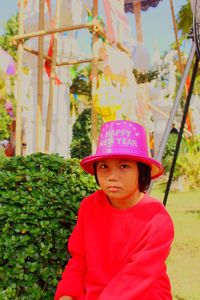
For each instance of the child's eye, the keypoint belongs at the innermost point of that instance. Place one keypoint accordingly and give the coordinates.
(102, 166)
(124, 166)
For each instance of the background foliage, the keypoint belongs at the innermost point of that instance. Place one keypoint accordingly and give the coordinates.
(188, 164)
(11, 29)
(81, 83)
(81, 141)
(5, 122)
(81, 145)
(186, 175)
(145, 77)
(170, 149)
(39, 198)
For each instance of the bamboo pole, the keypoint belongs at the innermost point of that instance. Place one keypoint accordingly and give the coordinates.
(19, 81)
(179, 57)
(74, 62)
(94, 83)
(138, 23)
(176, 36)
(52, 83)
(51, 95)
(64, 63)
(35, 52)
(40, 80)
(98, 29)
(94, 26)
(51, 31)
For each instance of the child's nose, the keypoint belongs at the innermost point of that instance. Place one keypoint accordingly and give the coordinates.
(112, 176)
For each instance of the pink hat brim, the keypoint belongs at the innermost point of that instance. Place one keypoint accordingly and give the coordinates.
(156, 167)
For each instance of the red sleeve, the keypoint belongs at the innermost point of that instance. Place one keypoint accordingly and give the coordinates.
(145, 265)
(71, 283)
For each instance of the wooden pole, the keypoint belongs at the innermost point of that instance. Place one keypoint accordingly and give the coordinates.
(176, 36)
(179, 58)
(64, 63)
(51, 95)
(40, 80)
(51, 31)
(35, 52)
(95, 27)
(138, 23)
(99, 30)
(19, 81)
(94, 83)
(74, 62)
(52, 83)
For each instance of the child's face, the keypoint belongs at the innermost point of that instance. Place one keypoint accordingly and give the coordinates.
(118, 178)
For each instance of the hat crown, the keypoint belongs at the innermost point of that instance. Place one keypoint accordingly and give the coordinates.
(124, 137)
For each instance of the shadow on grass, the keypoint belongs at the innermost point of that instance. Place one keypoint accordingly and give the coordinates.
(179, 298)
(193, 212)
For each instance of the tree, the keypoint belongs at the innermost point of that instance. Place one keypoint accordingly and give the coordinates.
(184, 19)
(81, 145)
(184, 24)
(11, 29)
(81, 83)
(81, 142)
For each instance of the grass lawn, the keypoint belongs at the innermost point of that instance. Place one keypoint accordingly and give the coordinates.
(184, 260)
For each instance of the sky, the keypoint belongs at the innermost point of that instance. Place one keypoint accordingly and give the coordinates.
(157, 25)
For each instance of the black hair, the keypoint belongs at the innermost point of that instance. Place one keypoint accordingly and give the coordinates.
(95, 172)
(144, 177)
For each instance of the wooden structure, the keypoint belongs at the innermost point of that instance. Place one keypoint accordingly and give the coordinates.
(97, 31)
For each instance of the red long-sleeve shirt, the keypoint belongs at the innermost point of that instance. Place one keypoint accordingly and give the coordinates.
(118, 254)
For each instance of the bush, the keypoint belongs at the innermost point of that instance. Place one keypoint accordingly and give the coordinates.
(3, 157)
(188, 165)
(39, 198)
(170, 149)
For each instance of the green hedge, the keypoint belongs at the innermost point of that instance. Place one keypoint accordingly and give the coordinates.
(39, 198)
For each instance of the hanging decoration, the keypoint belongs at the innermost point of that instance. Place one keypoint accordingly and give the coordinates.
(68, 48)
(117, 26)
(114, 100)
(109, 56)
(31, 16)
(71, 12)
(107, 98)
(48, 61)
(115, 96)
(142, 105)
(141, 58)
(25, 3)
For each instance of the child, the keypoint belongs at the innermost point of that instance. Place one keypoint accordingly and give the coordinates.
(123, 236)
